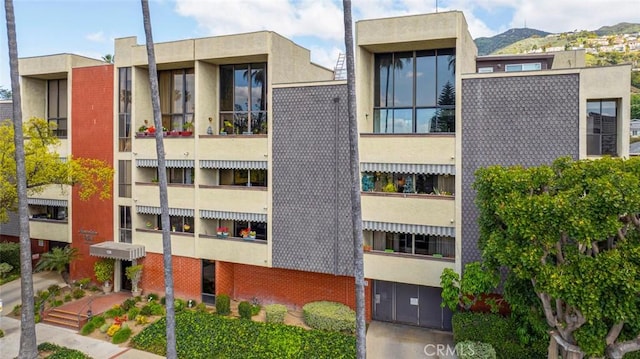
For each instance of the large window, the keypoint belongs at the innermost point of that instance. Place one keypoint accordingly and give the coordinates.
(48, 212)
(57, 106)
(180, 175)
(258, 227)
(249, 178)
(124, 109)
(178, 223)
(602, 127)
(408, 183)
(420, 244)
(415, 92)
(125, 224)
(124, 178)
(243, 98)
(177, 98)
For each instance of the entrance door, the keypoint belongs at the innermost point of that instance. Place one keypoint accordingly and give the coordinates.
(208, 281)
(383, 301)
(125, 283)
(407, 303)
(430, 311)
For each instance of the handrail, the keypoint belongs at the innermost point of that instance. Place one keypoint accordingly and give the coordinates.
(91, 298)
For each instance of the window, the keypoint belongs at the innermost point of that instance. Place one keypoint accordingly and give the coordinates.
(243, 98)
(523, 67)
(177, 97)
(180, 175)
(57, 106)
(419, 244)
(48, 212)
(414, 92)
(408, 183)
(602, 128)
(124, 109)
(259, 227)
(248, 178)
(125, 224)
(124, 178)
(178, 223)
(484, 70)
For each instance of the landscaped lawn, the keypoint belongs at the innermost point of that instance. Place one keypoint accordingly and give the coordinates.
(205, 335)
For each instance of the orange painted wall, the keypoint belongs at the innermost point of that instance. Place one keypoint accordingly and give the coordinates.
(92, 128)
(289, 287)
(187, 276)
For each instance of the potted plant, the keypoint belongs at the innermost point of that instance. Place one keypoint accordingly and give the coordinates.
(245, 233)
(142, 131)
(188, 129)
(134, 274)
(252, 234)
(186, 227)
(104, 273)
(222, 232)
(227, 128)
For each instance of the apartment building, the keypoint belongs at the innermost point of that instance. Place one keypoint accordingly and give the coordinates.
(265, 152)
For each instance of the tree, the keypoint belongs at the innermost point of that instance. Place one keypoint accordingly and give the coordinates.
(108, 58)
(162, 179)
(356, 207)
(5, 94)
(28, 347)
(43, 166)
(572, 230)
(58, 260)
(635, 105)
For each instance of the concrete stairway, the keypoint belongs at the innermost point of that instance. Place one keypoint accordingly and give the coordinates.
(65, 319)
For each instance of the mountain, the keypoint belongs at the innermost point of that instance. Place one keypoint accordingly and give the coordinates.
(487, 45)
(621, 28)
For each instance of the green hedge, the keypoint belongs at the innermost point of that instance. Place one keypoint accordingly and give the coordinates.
(223, 304)
(496, 330)
(121, 335)
(475, 350)
(202, 335)
(330, 316)
(244, 309)
(10, 253)
(59, 352)
(275, 313)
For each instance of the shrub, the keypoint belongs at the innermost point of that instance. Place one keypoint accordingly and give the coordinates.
(146, 310)
(59, 352)
(67, 298)
(475, 350)
(498, 331)
(255, 309)
(104, 327)
(178, 305)
(113, 329)
(56, 303)
(77, 293)
(97, 321)
(87, 328)
(156, 308)
(163, 300)
(1, 333)
(17, 309)
(121, 335)
(128, 304)
(10, 254)
(201, 307)
(82, 283)
(152, 297)
(244, 309)
(133, 312)
(116, 311)
(54, 289)
(141, 320)
(223, 304)
(330, 316)
(275, 313)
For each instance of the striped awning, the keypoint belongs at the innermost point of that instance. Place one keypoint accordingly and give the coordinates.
(235, 216)
(409, 228)
(229, 164)
(117, 250)
(47, 202)
(408, 168)
(168, 163)
(185, 212)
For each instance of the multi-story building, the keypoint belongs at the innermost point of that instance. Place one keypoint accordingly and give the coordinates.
(268, 152)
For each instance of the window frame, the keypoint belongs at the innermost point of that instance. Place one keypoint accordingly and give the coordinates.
(592, 128)
(57, 119)
(171, 118)
(249, 120)
(124, 178)
(124, 109)
(125, 224)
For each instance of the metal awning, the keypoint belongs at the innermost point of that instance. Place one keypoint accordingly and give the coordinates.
(408, 168)
(168, 163)
(186, 212)
(229, 164)
(47, 202)
(235, 216)
(409, 228)
(117, 250)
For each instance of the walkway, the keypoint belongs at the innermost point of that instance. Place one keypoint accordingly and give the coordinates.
(389, 340)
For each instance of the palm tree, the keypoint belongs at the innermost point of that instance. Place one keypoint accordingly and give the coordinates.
(356, 208)
(162, 181)
(58, 260)
(108, 58)
(28, 347)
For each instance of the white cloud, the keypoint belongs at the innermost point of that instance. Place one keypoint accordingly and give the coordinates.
(96, 36)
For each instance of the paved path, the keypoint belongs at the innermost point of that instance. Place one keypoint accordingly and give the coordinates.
(388, 340)
(10, 292)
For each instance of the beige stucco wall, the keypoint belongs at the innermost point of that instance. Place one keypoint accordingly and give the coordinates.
(233, 199)
(181, 245)
(235, 251)
(425, 210)
(436, 149)
(237, 147)
(179, 197)
(404, 269)
(50, 230)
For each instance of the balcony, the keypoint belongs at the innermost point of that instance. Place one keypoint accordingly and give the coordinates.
(49, 229)
(233, 198)
(421, 209)
(235, 250)
(409, 148)
(182, 244)
(180, 195)
(405, 269)
(233, 147)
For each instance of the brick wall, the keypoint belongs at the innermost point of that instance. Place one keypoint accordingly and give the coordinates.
(289, 287)
(187, 276)
(92, 120)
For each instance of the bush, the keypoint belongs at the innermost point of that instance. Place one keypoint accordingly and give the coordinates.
(82, 283)
(156, 308)
(475, 350)
(496, 330)
(17, 309)
(104, 327)
(202, 335)
(116, 311)
(1, 333)
(223, 304)
(59, 352)
(10, 254)
(146, 310)
(178, 305)
(244, 309)
(128, 304)
(152, 297)
(121, 335)
(275, 313)
(330, 316)
(133, 312)
(67, 298)
(77, 293)
(87, 328)
(97, 321)
(201, 307)
(54, 289)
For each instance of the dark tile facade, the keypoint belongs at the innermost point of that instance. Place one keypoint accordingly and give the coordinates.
(311, 221)
(523, 120)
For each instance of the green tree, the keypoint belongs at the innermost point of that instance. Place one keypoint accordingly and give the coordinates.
(44, 167)
(108, 58)
(58, 260)
(5, 94)
(635, 105)
(572, 230)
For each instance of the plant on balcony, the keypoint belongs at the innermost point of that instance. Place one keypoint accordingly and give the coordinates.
(134, 274)
(188, 129)
(227, 127)
(222, 232)
(186, 227)
(244, 233)
(252, 234)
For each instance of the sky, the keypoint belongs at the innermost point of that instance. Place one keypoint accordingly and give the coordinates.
(88, 27)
